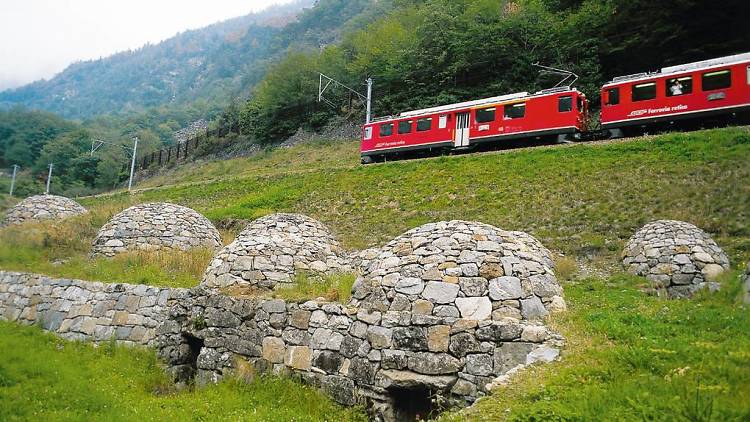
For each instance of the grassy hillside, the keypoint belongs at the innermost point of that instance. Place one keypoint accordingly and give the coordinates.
(628, 356)
(574, 198)
(45, 378)
(631, 357)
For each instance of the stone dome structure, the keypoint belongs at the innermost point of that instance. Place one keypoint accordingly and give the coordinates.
(43, 207)
(155, 226)
(272, 249)
(462, 269)
(677, 257)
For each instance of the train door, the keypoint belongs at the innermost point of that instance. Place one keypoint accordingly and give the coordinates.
(461, 138)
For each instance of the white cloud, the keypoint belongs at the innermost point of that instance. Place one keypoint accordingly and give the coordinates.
(39, 38)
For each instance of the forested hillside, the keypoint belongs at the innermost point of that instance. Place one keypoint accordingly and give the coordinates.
(423, 53)
(212, 64)
(255, 77)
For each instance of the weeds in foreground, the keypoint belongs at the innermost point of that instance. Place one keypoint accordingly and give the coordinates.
(43, 377)
(61, 249)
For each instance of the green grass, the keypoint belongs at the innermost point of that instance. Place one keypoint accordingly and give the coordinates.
(631, 357)
(573, 198)
(45, 378)
(61, 249)
(335, 288)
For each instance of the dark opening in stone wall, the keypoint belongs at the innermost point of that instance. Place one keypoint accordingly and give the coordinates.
(413, 404)
(195, 345)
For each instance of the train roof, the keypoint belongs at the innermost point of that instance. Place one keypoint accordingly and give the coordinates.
(474, 103)
(670, 70)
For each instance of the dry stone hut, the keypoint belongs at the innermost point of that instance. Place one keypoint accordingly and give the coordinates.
(43, 207)
(272, 249)
(155, 226)
(677, 257)
(438, 315)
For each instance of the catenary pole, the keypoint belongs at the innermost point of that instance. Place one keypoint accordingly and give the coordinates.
(369, 100)
(49, 178)
(13, 179)
(132, 163)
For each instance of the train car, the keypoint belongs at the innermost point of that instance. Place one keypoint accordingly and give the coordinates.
(558, 113)
(693, 92)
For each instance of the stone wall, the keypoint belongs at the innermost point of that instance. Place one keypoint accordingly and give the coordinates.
(81, 310)
(42, 207)
(354, 355)
(272, 250)
(677, 258)
(153, 226)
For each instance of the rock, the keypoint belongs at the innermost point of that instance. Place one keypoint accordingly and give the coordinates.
(410, 380)
(542, 354)
(438, 338)
(534, 333)
(340, 389)
(505, 288)
(439, 292)
(510, 355)
(410, 338)
(434, 363)
(379, 337)
(463, 343)
(273, 349)
(369, 317)
(711, 272)
(300, 319)
(477, 308)
(298, 357)
(499, 331)
(410, 286)
(479, 364)
(533, 309)
(421, 306)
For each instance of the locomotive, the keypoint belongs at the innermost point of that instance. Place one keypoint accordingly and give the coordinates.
(715, 89)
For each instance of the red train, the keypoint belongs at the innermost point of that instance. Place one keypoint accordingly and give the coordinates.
(711, 88)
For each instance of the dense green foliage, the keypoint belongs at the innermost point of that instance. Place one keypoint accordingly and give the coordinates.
(43, 377)
(424, 53)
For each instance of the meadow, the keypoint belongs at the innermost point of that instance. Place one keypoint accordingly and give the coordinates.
(628, 356)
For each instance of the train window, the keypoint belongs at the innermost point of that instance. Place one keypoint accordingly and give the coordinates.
(579, 103)
(515, 111)
(748, 75)
(679, 86)
(613, 96)
(486, 115)
(565, 103)
(404, 126)
(644, 91)
(443, 121)
(386, 129)
(716, 80)
(368, 132)
(424, 124)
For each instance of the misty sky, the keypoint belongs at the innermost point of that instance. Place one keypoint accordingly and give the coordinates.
(39, 38)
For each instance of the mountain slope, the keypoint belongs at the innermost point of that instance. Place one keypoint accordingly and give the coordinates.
(212, 63)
